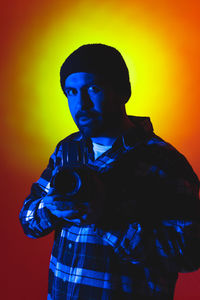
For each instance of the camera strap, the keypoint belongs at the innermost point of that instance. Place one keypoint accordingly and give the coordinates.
(74, 154)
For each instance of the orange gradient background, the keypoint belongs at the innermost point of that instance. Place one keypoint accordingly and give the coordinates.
(160, 43)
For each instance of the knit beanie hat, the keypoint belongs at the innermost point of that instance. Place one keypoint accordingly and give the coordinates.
(104, 61)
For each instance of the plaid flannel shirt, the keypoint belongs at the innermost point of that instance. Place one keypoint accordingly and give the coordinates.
(135, 262)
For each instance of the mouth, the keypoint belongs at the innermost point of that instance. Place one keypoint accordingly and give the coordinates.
(85, 120)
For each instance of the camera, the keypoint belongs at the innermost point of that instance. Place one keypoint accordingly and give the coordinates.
(80, 185)
(68, 182)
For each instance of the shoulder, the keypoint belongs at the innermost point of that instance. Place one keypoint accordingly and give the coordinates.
(76, 136)
(169, 158)
(164, 151)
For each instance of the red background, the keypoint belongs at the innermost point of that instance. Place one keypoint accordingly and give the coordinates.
(160, 42)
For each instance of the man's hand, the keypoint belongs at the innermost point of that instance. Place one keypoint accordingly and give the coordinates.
(60, 207)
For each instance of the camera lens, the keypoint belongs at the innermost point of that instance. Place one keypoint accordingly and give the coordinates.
(67, 182)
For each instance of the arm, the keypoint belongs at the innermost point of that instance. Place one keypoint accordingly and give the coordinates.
(173, 246)
(169, 234)
(40, 213)
(35, 218)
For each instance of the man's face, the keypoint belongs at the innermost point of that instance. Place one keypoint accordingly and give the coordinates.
(93, 105)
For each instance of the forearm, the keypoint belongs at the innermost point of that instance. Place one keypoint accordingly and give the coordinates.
(132, 245)
(173, 245)
(42, 212)
(36, 219)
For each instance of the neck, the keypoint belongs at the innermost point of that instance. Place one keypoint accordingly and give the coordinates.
(109, 137)
(104, 140)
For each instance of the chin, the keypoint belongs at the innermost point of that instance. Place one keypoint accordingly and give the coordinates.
(90, 131)
(87, 131)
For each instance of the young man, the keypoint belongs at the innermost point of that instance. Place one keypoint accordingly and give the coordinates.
(133, 224)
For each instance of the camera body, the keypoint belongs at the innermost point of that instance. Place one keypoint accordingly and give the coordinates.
(80, 188)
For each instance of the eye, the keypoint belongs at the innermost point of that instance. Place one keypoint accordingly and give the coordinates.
(94, 89)
(71, 92)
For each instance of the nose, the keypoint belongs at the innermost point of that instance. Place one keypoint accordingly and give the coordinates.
(85, 100)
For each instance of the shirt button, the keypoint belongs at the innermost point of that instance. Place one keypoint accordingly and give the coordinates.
(70, 245)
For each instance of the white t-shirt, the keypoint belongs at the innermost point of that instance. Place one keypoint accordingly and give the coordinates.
(100, 149)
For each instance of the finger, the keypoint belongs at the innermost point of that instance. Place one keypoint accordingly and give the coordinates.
(77, 221)
(51, 192)
(50, 206)
(49, 199)
(65, 213)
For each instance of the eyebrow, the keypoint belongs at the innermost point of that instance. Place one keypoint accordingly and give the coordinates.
(87, 85)
(68, 87)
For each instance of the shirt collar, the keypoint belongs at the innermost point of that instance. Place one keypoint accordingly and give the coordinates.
(142, 129)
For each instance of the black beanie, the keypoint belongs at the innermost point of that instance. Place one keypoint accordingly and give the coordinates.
(101, 60)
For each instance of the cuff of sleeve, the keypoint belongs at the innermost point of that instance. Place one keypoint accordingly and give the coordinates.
(47, 218)
(128, 245)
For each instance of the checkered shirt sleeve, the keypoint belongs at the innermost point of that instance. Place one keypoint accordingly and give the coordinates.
(35, 218)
